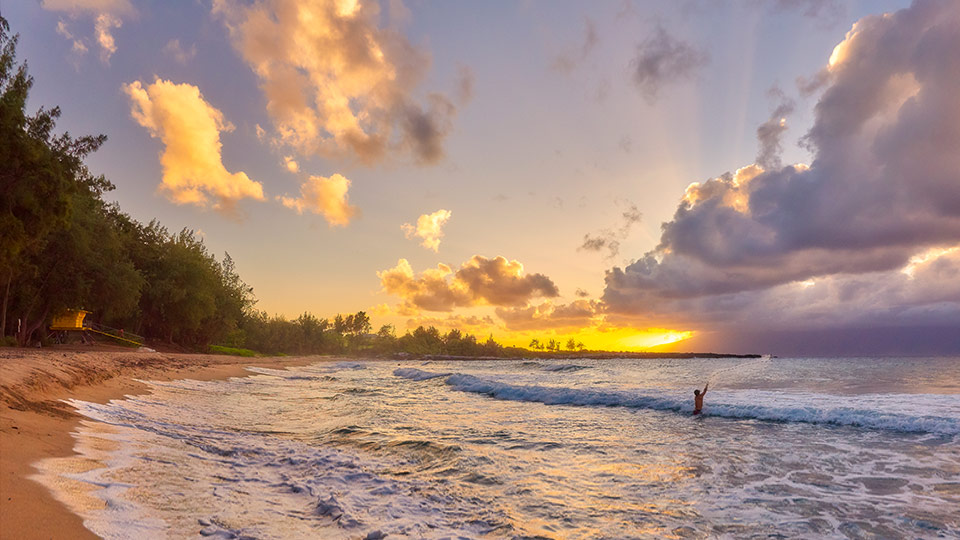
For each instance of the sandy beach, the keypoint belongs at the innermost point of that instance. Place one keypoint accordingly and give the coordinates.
(35, 424)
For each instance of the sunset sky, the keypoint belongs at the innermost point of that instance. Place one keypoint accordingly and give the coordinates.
(745, 176)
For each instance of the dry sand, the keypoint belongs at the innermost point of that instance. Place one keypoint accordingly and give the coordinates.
(35, 425)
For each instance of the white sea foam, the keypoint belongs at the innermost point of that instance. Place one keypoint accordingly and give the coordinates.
(910, 413)
(304, 490)
(304, 453)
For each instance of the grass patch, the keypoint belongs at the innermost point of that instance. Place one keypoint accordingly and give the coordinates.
(233, 351)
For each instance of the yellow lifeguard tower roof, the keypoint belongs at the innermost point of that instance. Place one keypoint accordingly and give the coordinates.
(70, 319)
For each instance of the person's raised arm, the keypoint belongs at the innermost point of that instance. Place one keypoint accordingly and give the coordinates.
(705, 388)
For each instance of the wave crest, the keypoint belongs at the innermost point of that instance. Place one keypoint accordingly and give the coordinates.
(902, 413)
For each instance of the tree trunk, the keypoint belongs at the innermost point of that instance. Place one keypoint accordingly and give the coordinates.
(3, 310)
(28, 328)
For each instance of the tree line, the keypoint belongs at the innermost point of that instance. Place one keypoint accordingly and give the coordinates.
(554, 345)
(62, 246)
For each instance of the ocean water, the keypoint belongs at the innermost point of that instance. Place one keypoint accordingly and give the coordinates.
(786, 448)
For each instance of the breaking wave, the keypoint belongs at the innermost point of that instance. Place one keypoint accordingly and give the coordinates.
(909, 413)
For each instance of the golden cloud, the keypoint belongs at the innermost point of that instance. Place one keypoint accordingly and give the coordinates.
(291, 164)
(465, 323)
(479, 281)
(107, 16)
(336, 83)
(189, 127)
(102, 27)
(731, 190)
(547, 316)
(326, 196)
(429, 227)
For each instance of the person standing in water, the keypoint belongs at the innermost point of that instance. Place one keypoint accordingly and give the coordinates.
(698, 399)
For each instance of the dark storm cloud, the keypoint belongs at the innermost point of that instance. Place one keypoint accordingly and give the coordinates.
(883, 189)
(663, 59)
(770, 133)
(813, 84)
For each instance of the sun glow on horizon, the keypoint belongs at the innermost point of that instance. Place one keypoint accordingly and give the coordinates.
(600, 339)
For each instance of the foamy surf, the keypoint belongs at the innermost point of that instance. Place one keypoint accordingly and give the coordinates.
(908, 413)
(410, 451)
(303, 490)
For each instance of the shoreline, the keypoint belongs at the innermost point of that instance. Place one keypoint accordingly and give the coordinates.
(35, 425)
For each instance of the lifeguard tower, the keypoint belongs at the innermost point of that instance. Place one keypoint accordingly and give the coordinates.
(70, 320)
(74, 320)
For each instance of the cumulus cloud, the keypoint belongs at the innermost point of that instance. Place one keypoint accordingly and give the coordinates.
(336, 83)
(925, 293)
(663, 59)
(769, 133)
(429, 228)
(291, 164)
(189, 127)
(883, 188)
(479, 281)
(102, 28)
(813, 84)
(609, 239)
(466, 323)
(547, 316)
(324, 196)
(107, 16)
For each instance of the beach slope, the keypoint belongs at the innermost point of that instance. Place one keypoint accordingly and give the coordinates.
(35, 424)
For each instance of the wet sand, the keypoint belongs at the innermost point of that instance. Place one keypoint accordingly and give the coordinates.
(35, 424)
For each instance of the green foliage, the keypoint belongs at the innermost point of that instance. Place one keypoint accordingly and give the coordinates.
(188, 297)
(48, 200)
(62, 246)
(232, 351)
